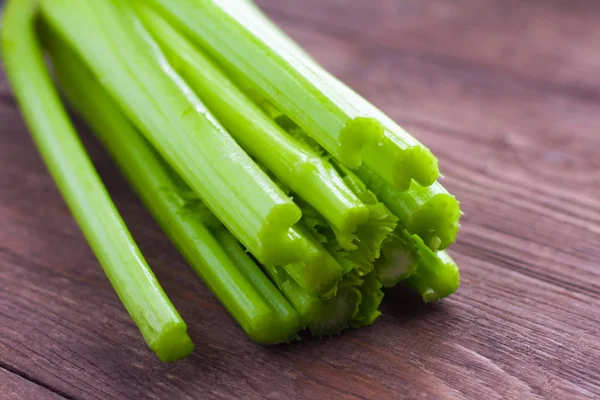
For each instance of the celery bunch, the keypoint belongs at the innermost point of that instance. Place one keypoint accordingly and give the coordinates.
(294, 199)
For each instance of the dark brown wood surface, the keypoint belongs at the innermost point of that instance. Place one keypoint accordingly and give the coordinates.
(505, 92)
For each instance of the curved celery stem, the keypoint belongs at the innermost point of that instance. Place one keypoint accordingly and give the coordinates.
(124, 57)
(321, 317)
(436, 276)
(137, 287)
(319, 272)
(397, 156)
(299, 168)
(232, 35)
(430, 212)
(244, 290)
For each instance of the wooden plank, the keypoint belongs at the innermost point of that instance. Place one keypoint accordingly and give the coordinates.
(15, 387)
(519, 155)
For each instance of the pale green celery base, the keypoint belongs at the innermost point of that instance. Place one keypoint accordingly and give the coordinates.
(394, 265)
(335, 313)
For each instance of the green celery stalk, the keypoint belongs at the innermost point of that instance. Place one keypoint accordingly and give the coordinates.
(436, 276)
(319, 272)
(397, 156)
(123, 56)
(285, 319)
(299, 168)
(321, 316)
(231, 34)
(399, 259)
(161, 326)
(248, 295)
(359, 252)
(430, 212)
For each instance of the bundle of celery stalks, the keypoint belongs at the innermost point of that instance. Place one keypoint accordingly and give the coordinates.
(294, 199)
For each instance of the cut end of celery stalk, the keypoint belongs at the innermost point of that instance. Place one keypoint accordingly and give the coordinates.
(318, 275)
(173, 344)
(437, 276)
(437, 221)
(353, 218)
(358, 133)
(394, 265)
(423, 165)
(397, 163)
(267, 329)
(279, 244)
(336, 312)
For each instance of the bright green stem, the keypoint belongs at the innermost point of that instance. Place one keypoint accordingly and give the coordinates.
(322, 317)
(137, 287)
(284, 322)
(244, 290)
(302, 170)
(124, 57)
(397, 156)
(234, 37)
(319, 272)
(436, 276)
(430, 212)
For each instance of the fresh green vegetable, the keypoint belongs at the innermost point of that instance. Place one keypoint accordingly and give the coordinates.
(123, 56)
(240, 285)
(319, 272)
(321, 316)
(367, 210)
(430, 212)
(299, 168)
(232, 36)
(137, 287)
(397, 156)
(285, 317)
(398, 260)
(436, 275)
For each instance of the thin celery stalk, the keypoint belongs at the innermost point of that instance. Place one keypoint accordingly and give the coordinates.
(175, 208)
(232, 35)
(430, 212)
(137, 287)
(124, 57)
(436, 276)
(319, 272)
(285, 321)
(299, 168)
(397, 156)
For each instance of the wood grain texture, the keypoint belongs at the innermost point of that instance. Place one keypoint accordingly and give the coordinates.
(14, 386)
(504, 92)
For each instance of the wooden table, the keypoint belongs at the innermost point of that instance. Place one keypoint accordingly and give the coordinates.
(505, 92)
